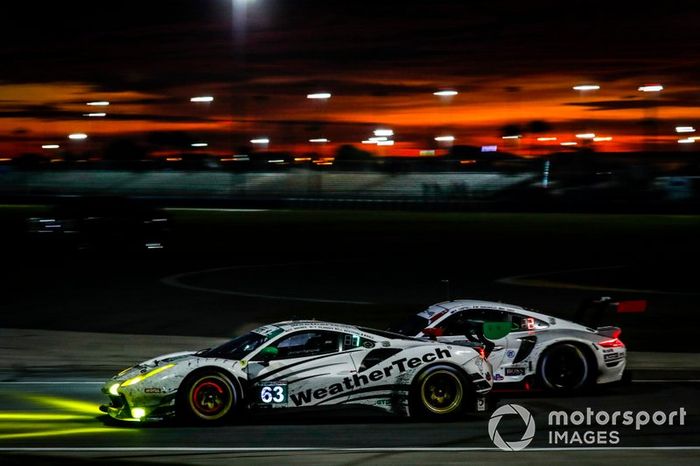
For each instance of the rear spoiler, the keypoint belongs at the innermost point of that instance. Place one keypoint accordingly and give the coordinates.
(610, 332)
(604, 311)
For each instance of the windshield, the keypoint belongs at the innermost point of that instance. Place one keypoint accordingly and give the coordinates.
(238, 348)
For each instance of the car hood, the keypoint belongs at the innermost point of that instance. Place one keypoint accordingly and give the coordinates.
(143, 367)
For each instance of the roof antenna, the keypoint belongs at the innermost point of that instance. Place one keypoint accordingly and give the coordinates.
(447, 289)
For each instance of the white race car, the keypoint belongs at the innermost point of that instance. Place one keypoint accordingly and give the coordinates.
(525, 346)
(301, 364)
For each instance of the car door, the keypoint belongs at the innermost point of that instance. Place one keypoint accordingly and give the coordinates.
(521, 341)
(309, 369)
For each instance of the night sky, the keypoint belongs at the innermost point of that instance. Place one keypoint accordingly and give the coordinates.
(512, 62)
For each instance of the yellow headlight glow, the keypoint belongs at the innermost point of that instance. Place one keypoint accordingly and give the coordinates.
(139, 378)
(113, 389)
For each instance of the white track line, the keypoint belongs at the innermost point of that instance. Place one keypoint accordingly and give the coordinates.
(175, 280)
(330, 449)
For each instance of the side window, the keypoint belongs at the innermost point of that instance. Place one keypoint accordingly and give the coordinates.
(524, 323)
(308, 343)
(471, 322)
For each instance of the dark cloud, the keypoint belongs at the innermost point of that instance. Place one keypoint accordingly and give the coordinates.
(54, 113)
(635, 104)
(158, 45)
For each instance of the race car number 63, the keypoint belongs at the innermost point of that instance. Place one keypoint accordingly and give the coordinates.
(273, 394)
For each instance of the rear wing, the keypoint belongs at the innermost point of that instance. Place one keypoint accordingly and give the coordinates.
(609, 331)
(604, 312)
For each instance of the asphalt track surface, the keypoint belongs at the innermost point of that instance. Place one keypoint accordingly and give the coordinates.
(55, 417)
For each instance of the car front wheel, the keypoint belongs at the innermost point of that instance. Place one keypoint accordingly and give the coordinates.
(207, 397)
(439, 392)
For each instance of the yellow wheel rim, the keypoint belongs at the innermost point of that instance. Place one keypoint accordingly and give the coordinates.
(441, 392)
(210, 397)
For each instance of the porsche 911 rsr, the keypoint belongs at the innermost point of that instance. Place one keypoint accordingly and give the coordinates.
(304, 364)
(525, 346)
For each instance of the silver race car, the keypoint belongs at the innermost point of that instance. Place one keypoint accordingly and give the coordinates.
(301, 364)
(523, 346)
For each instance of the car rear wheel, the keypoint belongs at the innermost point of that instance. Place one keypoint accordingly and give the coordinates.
(207, 397)
(565, 368)
(439, 392)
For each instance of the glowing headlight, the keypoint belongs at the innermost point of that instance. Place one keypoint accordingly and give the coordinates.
(113, 389)
(139, 378)
(138, 413)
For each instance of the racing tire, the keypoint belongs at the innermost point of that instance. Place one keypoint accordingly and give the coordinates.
(440, 392)
(207, 397)
(565, 368)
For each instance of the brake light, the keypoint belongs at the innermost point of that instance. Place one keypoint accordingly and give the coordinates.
(612, 343)
(639, 305)
(482, 352)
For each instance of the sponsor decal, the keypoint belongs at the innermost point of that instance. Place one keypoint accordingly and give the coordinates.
(497, 377)
(152, 390)
(613, 357)
(510, 354)
(269, 331)
(357, 381)
(514, 371)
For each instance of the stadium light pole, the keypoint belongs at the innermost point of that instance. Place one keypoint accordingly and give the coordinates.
(446, 96)
(240, 26)
(584, 90)
(651, 92)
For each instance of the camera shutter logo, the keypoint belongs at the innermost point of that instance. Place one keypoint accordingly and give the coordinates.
(529, 427)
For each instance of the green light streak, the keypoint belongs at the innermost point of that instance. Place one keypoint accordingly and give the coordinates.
(42, 417)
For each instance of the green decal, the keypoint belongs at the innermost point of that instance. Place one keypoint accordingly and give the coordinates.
(496, 330)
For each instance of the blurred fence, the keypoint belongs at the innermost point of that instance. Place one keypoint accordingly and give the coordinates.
(297, 184)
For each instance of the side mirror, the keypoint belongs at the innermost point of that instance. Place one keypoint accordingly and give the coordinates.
(433, 332)
(268, 353)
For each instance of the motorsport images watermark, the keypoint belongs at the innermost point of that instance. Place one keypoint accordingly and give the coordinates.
(567, 428)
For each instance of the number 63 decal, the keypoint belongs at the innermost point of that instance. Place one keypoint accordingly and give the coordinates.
(273, 393)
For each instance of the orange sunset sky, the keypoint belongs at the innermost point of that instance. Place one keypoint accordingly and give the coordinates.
(511, 66)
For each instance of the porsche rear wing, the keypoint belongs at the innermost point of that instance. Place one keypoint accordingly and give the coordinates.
(603, 312)
(609, 331)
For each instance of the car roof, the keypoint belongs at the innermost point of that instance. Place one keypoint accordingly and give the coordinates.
(314, 325)
(465, 304)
